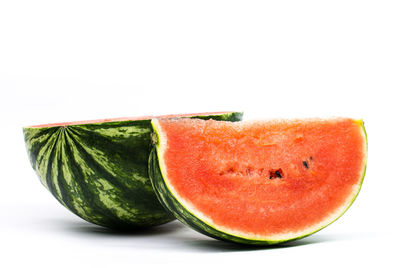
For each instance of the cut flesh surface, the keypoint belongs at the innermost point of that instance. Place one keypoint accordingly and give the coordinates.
(120, 119)
(262, 180)
(98, 169)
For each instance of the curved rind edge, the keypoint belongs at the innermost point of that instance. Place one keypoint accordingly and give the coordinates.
(53, 152)
(169, 201)
(106, 194)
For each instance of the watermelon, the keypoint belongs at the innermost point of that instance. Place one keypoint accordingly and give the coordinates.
(258, 182)
(98, 168)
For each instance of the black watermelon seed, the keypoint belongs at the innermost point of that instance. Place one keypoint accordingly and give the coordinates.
(275, 173)
(305, 164)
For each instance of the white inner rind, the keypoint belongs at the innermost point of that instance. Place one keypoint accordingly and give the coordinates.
(162, 146)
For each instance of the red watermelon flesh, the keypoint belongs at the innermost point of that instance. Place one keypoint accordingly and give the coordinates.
(266, 180)
(149, 117)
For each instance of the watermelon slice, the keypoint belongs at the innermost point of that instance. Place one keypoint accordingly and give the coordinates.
(258, 182)
(98, 168)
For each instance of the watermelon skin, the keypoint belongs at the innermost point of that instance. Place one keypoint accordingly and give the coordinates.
(186, 217)
(99, 171)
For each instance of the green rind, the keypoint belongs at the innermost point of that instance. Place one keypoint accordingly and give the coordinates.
(99, 171)
(170, 202)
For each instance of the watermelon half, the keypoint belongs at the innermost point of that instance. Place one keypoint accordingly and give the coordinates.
(258, 182)
(99, 169)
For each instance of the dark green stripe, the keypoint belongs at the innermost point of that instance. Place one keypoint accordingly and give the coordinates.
(52, 158)
(36, 140)
(100, 171)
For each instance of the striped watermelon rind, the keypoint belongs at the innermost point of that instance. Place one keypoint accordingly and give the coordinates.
(99, 171)
(188, 218)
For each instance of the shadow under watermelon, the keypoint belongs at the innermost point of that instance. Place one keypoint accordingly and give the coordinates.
(212, 245)
(176, 236)
(95, 230)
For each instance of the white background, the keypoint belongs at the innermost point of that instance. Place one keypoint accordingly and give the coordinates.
(75, 60)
